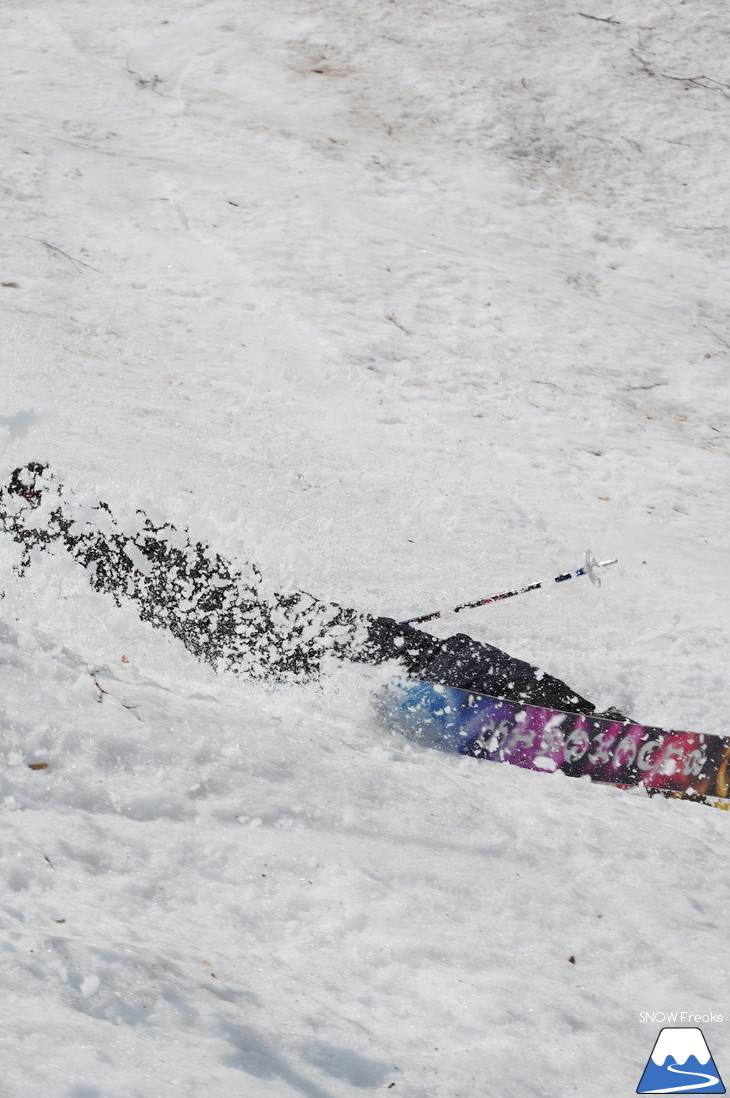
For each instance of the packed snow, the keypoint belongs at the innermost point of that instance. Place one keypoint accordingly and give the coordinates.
(406, 303)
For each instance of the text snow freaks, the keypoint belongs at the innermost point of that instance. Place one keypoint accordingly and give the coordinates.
(678, 1017)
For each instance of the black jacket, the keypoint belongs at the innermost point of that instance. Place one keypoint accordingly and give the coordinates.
(225, 614)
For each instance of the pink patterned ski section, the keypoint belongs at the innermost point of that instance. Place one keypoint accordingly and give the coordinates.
(545, 739)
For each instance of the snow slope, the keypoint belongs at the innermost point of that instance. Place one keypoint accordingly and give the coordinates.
(407, 303)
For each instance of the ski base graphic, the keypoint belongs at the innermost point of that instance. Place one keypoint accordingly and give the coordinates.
(685, 764)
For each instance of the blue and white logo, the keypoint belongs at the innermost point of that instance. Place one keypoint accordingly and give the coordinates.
(680, 1063)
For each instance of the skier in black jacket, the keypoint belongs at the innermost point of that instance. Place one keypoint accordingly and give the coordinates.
(227, 616)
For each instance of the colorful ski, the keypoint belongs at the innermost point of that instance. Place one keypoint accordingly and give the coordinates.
(685, 764)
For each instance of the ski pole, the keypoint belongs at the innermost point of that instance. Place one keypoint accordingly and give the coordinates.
(588, 569)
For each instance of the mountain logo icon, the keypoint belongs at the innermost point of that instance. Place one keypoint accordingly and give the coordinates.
(680, 1063)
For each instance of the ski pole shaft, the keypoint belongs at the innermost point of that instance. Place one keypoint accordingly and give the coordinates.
(588, 569)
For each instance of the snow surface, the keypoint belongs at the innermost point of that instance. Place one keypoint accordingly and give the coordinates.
(407, 303)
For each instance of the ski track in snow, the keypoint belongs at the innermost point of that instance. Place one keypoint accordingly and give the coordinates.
(408, 303)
